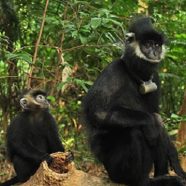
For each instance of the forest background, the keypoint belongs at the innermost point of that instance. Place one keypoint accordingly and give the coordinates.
(63, 45)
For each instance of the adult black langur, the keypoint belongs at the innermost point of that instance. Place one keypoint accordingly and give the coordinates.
(121, 114)
(32, 136)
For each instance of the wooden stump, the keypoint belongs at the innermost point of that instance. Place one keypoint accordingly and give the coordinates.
(61, 173)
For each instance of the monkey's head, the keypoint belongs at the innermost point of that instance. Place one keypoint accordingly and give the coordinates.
(34, 99)
(146, 42)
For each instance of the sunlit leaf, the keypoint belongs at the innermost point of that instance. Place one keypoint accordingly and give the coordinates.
(95, 22)
(20, 56)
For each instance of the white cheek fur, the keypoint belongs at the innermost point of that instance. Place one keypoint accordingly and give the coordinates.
(138, 52)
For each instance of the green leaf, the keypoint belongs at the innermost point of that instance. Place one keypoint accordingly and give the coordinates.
(51, 99)
(175, 116)
(75, 34)
(95, 22)
(173, 132)
(20, 56)
(83, 39)
(110, 37)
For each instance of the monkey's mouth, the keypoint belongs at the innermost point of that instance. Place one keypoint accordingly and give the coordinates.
(154, 57)
(35, 107)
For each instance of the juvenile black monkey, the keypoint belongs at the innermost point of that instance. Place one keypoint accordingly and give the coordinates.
(32, 136)
(121, 114)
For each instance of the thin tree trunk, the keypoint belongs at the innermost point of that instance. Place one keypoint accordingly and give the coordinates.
(29, 80)
(181, 138)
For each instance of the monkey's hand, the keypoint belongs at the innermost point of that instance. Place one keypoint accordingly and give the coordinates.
(69, 157)
(101, 115)
(47, 158)
(158, 119)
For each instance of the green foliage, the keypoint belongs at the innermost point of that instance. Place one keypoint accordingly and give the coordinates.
(82, 84)
(172, 122)
(22, 56)
(182, 151)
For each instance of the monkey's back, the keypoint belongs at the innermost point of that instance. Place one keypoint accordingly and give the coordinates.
(27, 129)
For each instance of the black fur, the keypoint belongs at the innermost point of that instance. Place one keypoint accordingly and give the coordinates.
(31, 137)
(143, 29)
(124, 131)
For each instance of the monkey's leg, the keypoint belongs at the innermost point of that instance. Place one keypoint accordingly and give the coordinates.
(23, 168)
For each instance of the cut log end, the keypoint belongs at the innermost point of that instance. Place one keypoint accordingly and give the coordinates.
(60, 163)
(56, 173)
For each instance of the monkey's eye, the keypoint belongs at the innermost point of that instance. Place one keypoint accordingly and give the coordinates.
(23, 102)
(147, 45)
(40, 98)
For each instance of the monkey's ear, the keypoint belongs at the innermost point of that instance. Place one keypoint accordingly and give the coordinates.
(130, 37)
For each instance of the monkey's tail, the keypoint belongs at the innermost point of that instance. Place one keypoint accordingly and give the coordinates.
(174, 161)
(10, 182)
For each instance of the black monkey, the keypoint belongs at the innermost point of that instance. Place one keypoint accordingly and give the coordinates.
(31, 136)
(121, 114)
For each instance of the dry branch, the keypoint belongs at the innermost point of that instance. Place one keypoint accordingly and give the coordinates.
(36, 46)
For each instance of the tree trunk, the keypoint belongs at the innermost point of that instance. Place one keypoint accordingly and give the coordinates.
(9, 24)
(181, 138)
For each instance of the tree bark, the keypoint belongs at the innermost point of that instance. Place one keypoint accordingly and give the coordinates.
(181, 138)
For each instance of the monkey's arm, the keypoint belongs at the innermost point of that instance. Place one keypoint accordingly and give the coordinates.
(128, 118)
(28, 151)
(123, 117)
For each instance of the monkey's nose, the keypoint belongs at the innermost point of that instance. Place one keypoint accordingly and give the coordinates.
(154, 55)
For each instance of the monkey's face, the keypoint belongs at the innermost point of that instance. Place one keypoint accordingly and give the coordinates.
(152, 50)
(32, 101)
